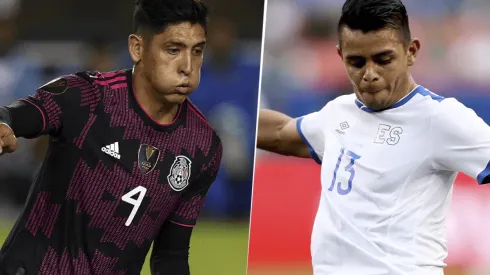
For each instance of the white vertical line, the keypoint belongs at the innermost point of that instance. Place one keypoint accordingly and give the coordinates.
(264, 20)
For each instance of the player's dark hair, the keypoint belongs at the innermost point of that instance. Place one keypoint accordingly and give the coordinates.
(373, 15)
(156, 15)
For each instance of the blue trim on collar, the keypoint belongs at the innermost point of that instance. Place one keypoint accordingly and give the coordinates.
(418, 90)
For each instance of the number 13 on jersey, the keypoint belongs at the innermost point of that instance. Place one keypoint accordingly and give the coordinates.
(349, 168)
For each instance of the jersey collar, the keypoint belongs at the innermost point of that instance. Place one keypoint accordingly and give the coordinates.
(401, 102)
(133, 101)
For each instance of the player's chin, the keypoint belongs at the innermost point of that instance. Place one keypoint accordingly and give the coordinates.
(176, 98)
(376, 101)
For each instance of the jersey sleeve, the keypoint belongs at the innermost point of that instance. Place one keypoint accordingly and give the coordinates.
(311, 129)
(461, 140)
(191, 202)
(170, 253)
(49, 105)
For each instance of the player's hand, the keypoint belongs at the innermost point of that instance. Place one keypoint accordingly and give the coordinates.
(8, 141)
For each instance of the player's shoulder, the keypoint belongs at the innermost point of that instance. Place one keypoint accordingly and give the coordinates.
(332, 108)
(343, 100)
(444, 110)
(61, 84)
(200, 123)
(448, 105)
(85, 80)
(111, 78)
(440, 106)
(340, 104)
(422, 94)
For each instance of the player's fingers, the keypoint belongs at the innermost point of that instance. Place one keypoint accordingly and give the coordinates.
(8, 141)
(4, 131)
(2, 143)
(10, 144)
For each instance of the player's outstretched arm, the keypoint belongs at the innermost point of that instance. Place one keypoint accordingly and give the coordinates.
(278, 133)
(28, 120)
(170, 253)
(19, 119)
(46, 111)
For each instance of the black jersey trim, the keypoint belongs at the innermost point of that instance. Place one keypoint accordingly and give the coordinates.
(40, 111)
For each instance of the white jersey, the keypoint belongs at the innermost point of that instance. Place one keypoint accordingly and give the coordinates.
(387, 181)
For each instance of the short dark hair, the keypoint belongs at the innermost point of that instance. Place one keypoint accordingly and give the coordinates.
(156, 15)
(372, 15)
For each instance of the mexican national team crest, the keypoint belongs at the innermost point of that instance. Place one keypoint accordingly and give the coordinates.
(147, 158)
(180, 172)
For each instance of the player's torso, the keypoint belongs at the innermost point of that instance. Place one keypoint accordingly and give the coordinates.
(140, 174)
(125, 177)
(376, 184)
(140, 169)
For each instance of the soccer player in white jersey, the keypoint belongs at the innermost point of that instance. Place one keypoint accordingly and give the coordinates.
(389, 153)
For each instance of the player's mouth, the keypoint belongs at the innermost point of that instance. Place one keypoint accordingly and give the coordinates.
(183, 89)
(372, 90)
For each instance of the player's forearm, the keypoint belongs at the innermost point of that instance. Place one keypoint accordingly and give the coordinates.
(24, 119)
(171, 250)
(5, 116)
(270, 126)
(170, 262)
(278, 133)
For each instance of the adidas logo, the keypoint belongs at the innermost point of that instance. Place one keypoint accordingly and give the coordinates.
(112, 150)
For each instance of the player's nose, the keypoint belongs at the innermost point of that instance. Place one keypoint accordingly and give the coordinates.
(185, 67)
(370, 75)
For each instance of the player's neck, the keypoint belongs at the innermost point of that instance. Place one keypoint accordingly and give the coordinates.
(162, 113)
(407, 88)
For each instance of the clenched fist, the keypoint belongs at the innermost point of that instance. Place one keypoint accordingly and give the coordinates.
(8, 141)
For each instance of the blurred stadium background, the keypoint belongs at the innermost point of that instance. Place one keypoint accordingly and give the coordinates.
(302, 72)
(40, 40)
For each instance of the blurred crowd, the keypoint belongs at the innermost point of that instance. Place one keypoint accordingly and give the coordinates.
(227, 94)
(302, 71)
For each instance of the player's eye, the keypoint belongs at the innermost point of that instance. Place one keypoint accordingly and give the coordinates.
(197, 51)
(384, 60)
(173, 51)
(358, 63)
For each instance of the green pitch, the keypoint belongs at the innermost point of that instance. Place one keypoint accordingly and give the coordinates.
(216, 248)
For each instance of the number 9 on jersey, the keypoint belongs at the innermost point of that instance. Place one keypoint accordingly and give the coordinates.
(128, 197)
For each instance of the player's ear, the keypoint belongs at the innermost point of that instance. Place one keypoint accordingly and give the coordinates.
(135, 44)
(413, 50)
(339, 51)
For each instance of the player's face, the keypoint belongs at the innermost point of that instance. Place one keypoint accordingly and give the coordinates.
(377, 64)
(172, 61)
